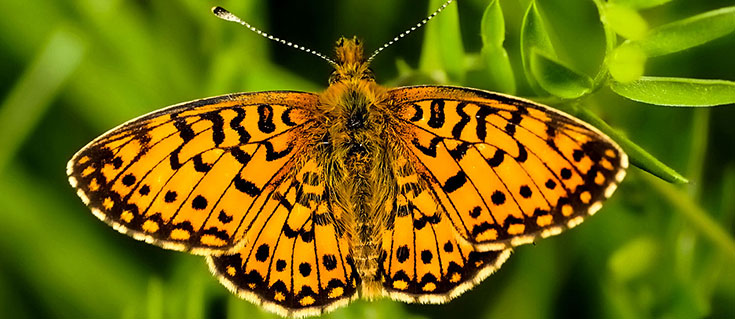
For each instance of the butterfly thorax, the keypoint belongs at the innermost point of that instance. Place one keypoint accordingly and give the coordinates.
(354, 137)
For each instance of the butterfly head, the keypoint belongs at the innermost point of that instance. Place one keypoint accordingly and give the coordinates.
(351, 65)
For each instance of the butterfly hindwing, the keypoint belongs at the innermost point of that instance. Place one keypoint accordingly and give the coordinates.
(424, 258)
(187, 177)
(506, 170)
(296, 258)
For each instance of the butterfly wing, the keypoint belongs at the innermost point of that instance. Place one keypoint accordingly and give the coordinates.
(424, 258)
(192, 176)
(296, 262)
(505, 170)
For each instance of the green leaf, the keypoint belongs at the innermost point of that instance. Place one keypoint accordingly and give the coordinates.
(640, 4)
(500, 72)
(637, 155)
(534, 35)
(625, 21)
(690, 32)
(626, 63)
(677, 91)
(558, 79)
(443, 49)
(493, 25)
(610, 36)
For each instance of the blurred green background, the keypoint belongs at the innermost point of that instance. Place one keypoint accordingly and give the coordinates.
(70, 70)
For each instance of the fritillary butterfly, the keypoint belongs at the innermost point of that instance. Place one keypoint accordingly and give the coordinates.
(302, 201)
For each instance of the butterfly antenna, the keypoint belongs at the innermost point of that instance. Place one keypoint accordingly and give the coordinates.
(405, 33)
(227, 15)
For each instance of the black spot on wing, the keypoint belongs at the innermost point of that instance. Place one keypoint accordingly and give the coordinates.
(288, 232)
(199, 164)
(262, 253)
(497, 158)
(272, 155)
(246, 186)
(144, 190)
(170, 197)
(464, 120)
(280, 265)
(236, 124)
(218, 133)
(426, 256)
(185, 131)
(510, 128)
(305, 269)
(481, 116)
(522, 153)
(223, 217)
(428, 150)
(265, 118)
(402, 253)
(329, 262)
(517, 116)
(436, 120)
(459, 152)
(286, 118)
(199, 202)
(128, 180)
(418, 113)
(174, 158)
(117, 162)
(241, 157)
(455, 182)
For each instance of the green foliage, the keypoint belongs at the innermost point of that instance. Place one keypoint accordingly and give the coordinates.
(625, 21)
(677, 91)
(687, 33)
(626, 63)
(498, 67)
(640, 4)
(534, 38)
(442, 50)
(556, 78)
(71, 70)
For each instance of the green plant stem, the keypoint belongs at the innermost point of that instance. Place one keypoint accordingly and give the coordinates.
(701, 221)
(698, 150)
(638, 156)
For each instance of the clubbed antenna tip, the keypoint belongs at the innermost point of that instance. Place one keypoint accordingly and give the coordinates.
(223, 14)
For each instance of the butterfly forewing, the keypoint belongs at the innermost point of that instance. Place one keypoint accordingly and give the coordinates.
(188, 177)
(506, 170)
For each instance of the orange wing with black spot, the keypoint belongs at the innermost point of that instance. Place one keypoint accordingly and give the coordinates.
(190, 177)
(424, 259)
(297, 258)
(505, 170)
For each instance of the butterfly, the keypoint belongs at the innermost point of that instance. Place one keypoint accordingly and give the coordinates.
(301, 202)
